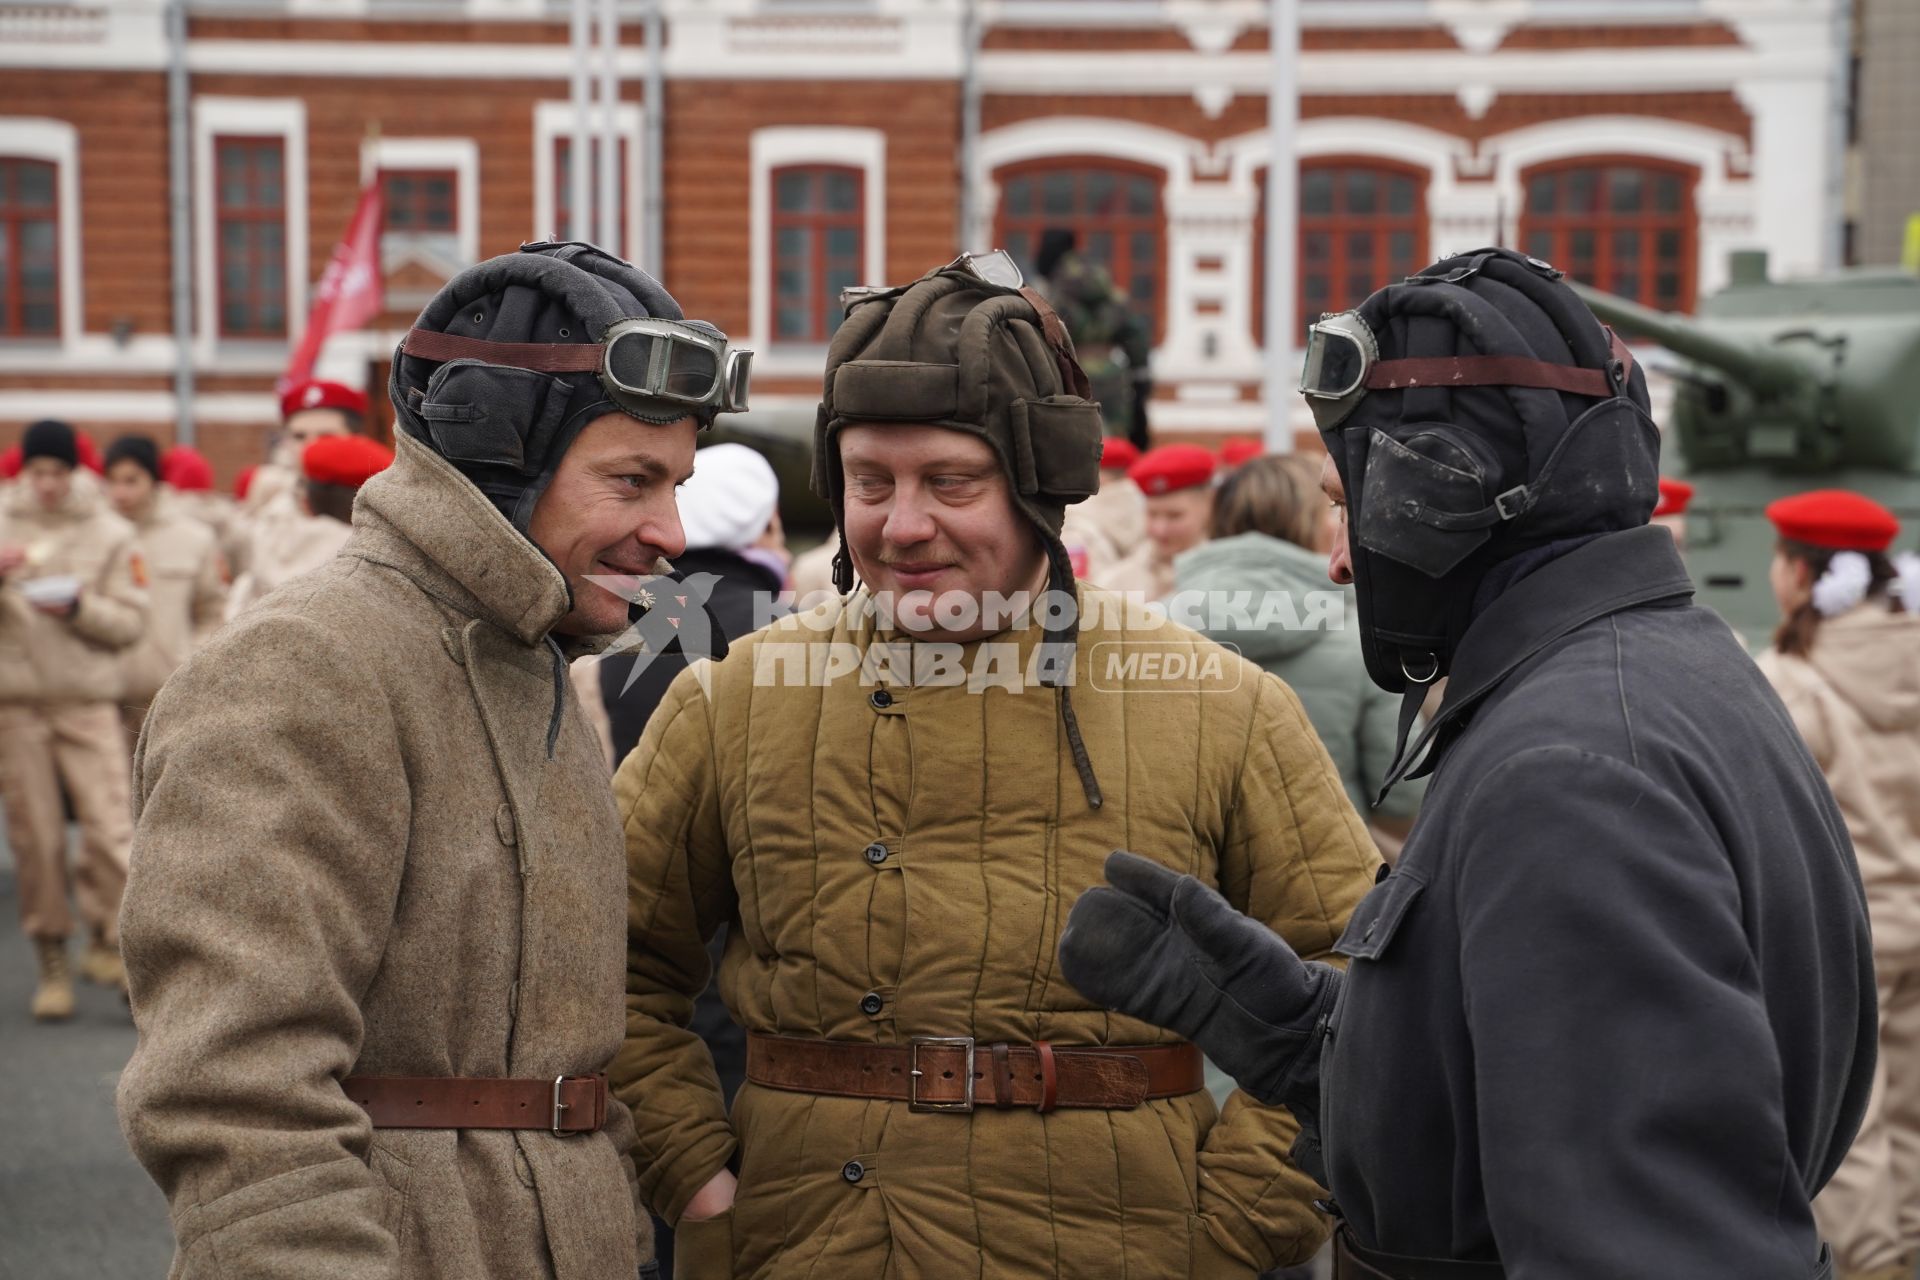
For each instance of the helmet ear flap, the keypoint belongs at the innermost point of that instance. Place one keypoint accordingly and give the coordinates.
(1450, 470)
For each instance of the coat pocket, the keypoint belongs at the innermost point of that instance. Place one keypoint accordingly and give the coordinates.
(1371, 928)
(703, 1248)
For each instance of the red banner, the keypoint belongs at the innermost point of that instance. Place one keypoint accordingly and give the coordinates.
(349, 293)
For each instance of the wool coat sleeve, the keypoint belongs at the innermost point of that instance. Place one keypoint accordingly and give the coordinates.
(272, 832)
(679, 892)
(1298, 859)
(1615, 1013)
(112, 611)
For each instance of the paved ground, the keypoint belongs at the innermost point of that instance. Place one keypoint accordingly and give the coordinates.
(73, 1204)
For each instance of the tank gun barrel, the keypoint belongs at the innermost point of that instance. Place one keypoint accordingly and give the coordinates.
(1759, 369)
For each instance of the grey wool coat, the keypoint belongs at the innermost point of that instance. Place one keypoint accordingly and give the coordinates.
(360, 851)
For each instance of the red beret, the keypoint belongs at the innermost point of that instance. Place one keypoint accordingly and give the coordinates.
(1674, 497)
(322, 395)
(1241, 449)
(185, 469)
(243, 482)
(1171, 467)
(1834, 520)
(10, 462)
(88, 453)
(1117, 453)
(349, 461)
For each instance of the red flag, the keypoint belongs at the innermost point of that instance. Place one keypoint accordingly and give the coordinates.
(350, 291)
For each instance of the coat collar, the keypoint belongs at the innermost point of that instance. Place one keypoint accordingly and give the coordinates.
(427, 521)
(1609, 575)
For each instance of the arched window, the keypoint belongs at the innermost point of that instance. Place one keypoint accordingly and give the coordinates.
(1627, 226)
(819, 247)
(1363, 225)
(29, 249)
(1114, 208)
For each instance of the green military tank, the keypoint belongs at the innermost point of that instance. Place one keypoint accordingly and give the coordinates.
(1783, 387)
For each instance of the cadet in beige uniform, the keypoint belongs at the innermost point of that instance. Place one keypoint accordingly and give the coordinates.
(72, 598)
(332, 470)
(1177, 480)
(187, 575)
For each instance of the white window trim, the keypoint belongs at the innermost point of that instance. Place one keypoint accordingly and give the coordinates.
(214, 117)
(555, 120)
(776, 147)
(462, 155)
(56, 141)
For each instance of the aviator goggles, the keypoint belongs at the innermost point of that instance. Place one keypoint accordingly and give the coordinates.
(1343, 364)
(656, 370)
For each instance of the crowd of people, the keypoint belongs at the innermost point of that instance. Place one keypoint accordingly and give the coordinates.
(474, 925)
(118, 565)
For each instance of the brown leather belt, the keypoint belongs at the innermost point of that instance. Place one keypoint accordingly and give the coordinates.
(562, 1106)
(951, 1073)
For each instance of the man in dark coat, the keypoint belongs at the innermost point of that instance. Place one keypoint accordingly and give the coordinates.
(1612, 1013)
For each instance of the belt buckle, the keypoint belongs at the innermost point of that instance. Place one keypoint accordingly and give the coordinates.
(914, 1046)
(558, 1107)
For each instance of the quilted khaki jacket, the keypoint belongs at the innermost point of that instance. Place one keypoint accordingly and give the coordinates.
(757, 807)
(45, 658)
(359, 852)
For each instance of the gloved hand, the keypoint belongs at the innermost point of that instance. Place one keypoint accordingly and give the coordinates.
(1166, 949)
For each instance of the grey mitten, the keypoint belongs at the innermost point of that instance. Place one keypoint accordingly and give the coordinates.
(1169, 950)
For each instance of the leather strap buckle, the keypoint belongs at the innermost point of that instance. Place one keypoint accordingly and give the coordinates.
(561, 1108)
(914, 1103)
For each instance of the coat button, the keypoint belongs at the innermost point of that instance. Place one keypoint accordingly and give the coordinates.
(871, 1004)
(881, 699)
(876, 853)
(853, 1171)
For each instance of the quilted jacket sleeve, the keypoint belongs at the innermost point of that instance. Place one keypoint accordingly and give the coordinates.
(112, 611)
(273, 820)
(1298, 858)
(679, 892)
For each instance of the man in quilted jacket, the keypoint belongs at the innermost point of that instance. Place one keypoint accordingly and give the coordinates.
(891, 800)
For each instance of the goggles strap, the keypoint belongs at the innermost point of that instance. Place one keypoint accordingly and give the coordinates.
(1072, 377)
(1449, 372)
(537, 357)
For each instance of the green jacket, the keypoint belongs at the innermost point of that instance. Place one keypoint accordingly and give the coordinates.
(1354, 717)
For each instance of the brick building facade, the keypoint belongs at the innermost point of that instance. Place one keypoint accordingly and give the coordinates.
(809, 144)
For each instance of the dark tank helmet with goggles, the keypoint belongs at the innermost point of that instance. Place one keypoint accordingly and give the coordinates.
(1477, 412)
(515, 355)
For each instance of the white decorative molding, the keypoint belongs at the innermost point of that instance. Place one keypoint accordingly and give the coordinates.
(137, 406)
(462, 155)
(778, 146)
(1476, 98)
(1211, 26)
(554, 120)
(219, 117)
(58, 143)
(1480, 25)
(1213, 99)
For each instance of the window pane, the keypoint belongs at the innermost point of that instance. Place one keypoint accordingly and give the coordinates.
(1623, 189)
(1540, 245)
(1359, 286)
(790, 322)
(1668, 246)
(842, 193)
(1019, 196)
(793, 191)
(1020, 245)
(1056, 192)
(1582, 192)
(1666, 193)
(1581, 245)
(1142, 196)
(789, 282)
(1363, 191)
(791, 243)
(1400, 195)
(34, 185)
(1400, 248)
(1666, 289)
(1316, 191)
(1626, 248)
(1359, 248)
(1145, 250)
(843, 242)
(1316, 246)
(1543, 193)
(1102, 186)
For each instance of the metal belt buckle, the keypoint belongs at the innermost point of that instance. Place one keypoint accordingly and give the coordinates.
(914, 1046)
(559, 1106)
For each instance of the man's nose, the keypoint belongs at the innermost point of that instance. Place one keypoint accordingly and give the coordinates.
(1340, 561)
(663, 532)
(908, 522)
